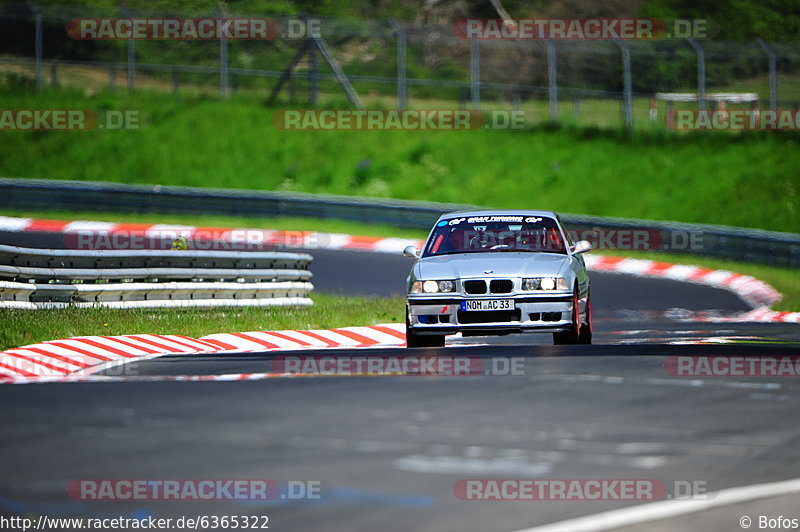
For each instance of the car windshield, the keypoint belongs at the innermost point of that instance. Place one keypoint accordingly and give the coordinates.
(495, 234)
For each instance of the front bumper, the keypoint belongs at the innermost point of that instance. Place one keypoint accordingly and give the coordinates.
(443, 315)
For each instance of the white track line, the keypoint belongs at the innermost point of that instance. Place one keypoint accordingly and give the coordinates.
(656, 511)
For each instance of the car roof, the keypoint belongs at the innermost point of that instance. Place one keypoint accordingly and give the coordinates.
(498, 212)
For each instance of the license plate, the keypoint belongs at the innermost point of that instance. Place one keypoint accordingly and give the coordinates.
(488, 304)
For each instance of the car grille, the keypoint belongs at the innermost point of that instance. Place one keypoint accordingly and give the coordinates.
(488, 316)
(496, 286)
(475, 287)
(501, 286)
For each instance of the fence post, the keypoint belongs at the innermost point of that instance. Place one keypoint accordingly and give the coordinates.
(175, 80)
(112, 76)
(291, 86)
(475, 73)
(773, 74)
(54, 74)
(223, 63)
(131, 54)
(37, 15)
(552, 86)
(701, 73)
(627, 96)
(668, 114)
(313, 71)
(402, 83)
(322, 46)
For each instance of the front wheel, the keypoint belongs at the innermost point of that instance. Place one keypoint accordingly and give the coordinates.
(577, 333)
(585, 336)
(422, 340)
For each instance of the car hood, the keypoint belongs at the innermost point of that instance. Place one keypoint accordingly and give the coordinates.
(502, 264)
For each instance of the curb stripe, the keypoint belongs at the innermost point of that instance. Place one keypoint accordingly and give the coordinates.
(42, 363)
(66, 360)
(199, 342)
(290, 339)
(219, 344)
(52, 356)
(392, 332)
(147, 350)
(327, 341)
(70, 347)
(259, 341)
(15, 370)
(49, 226)
(175, 339)
(107, 348)
(138, 342)
(162, 346)
(359, 339)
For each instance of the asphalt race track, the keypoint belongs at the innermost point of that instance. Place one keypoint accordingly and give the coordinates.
(389, 450)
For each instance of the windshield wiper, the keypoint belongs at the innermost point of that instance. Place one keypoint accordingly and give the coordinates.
(440, 253)
(526, 250)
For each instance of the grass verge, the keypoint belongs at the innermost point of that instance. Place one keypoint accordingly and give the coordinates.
(745, 180)
(23, 327)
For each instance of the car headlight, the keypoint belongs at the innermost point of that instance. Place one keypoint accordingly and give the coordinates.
(432, 287)
(545, 283)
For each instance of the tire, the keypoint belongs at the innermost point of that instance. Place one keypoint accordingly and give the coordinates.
(573, 335)
(585, 335)
(422, 340)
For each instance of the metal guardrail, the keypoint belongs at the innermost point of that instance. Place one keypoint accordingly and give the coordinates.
(16, 295)
(187, 294)
(37, 264)
(751, 245)
(40, 278)
(92, 196)
(718, 241)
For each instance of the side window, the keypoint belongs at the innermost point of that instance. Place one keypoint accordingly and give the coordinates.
(570, 243)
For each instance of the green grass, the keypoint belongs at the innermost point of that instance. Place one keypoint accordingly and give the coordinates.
(747, 180)
(23, 327)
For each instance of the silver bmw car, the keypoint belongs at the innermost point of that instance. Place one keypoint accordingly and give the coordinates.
(487, 273)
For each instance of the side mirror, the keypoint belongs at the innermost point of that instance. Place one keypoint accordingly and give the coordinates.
(582, 246)
(411, 251)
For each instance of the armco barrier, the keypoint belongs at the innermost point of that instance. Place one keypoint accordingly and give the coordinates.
(93, 196)
(780, 249)
(40, 278)
(16, 295)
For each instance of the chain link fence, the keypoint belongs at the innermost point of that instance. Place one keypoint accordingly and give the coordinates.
(396, 64)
